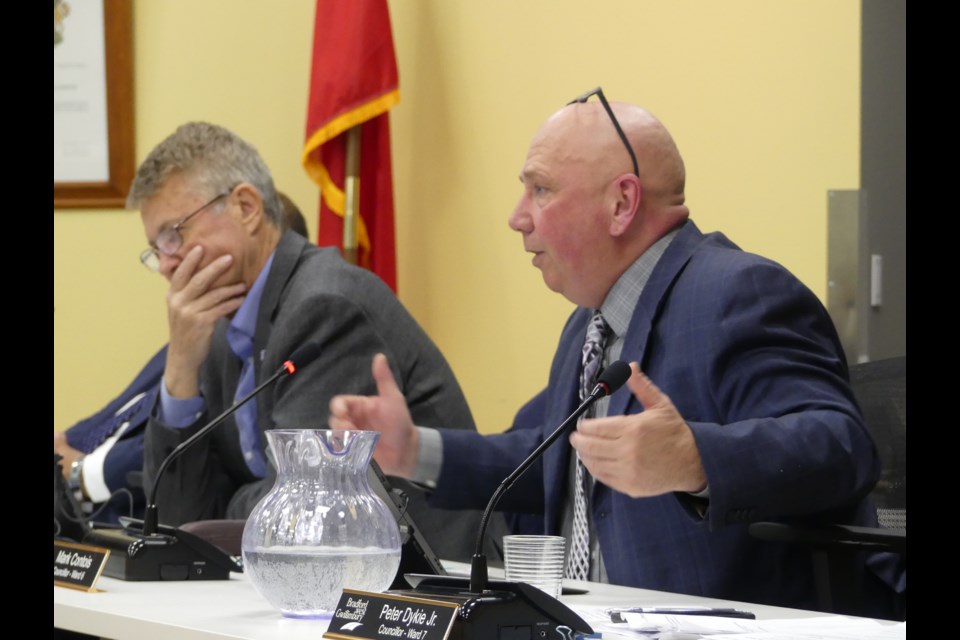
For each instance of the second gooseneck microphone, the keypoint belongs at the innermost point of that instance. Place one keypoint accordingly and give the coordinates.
(609, 381)
(301, 357)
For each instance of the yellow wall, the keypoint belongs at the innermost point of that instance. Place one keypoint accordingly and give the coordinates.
(762, 97)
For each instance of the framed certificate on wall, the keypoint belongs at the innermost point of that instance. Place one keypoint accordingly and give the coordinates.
(93, 127)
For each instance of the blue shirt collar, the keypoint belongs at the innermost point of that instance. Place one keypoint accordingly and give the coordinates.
(244, 324)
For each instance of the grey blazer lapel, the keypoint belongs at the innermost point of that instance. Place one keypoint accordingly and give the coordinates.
(285, 260)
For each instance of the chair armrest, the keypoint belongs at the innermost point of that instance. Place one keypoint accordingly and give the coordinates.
(833, 535)
(225, 534)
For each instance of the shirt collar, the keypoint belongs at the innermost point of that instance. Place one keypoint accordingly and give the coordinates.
(618, 306)
(244, 323)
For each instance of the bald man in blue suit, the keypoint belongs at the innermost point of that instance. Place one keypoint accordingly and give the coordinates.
(742, 412)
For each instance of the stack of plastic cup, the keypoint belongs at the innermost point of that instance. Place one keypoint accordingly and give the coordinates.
(536, 560)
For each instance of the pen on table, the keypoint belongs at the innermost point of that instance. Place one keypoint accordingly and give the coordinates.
(684, 611)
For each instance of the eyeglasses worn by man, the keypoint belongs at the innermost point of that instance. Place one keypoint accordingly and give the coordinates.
(244, 294)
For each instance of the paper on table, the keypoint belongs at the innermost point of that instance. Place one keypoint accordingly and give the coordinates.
(820, 628)
(599, 619)
(841, 632)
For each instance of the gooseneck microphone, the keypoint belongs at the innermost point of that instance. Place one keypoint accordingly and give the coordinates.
(611, 379)
(301, 357)
(504, 609)
(146, 550)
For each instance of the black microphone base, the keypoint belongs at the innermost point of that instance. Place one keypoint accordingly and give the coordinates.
(504, 611)
(171, 554)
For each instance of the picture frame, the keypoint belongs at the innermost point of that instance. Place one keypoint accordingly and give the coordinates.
(94, 168)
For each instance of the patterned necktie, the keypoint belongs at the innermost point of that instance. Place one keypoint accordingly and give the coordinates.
(246, 416)
(578, 562)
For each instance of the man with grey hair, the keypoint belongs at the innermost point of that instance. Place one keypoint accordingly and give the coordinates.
(102, 455)
(244, 294)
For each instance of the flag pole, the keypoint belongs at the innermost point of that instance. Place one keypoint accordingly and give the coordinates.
(351, 188)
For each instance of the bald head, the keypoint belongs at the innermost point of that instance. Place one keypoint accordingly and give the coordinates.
(584, 214)
(662, 173)
(587, 135)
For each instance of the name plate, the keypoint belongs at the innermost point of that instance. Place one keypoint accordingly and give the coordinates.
(389, 616)
(78, 566)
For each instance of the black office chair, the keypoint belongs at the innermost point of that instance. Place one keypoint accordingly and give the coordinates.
(838, 550)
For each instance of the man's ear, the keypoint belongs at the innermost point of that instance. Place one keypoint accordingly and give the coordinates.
(628, 192)
(251, 206)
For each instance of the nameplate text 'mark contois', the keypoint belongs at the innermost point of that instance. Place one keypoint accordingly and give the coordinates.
(78, 566)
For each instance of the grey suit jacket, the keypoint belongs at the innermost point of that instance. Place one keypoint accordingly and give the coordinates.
(311, 295)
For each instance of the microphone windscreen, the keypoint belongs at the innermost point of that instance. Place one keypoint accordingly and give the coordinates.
(305, 354)
(614, 376)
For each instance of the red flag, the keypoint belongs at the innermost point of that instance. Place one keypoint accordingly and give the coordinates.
(354, 82)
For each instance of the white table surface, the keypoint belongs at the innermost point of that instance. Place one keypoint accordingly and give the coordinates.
(233, 609)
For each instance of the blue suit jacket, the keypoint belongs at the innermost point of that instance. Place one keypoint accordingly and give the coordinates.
(751, 360)
(126, 455)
